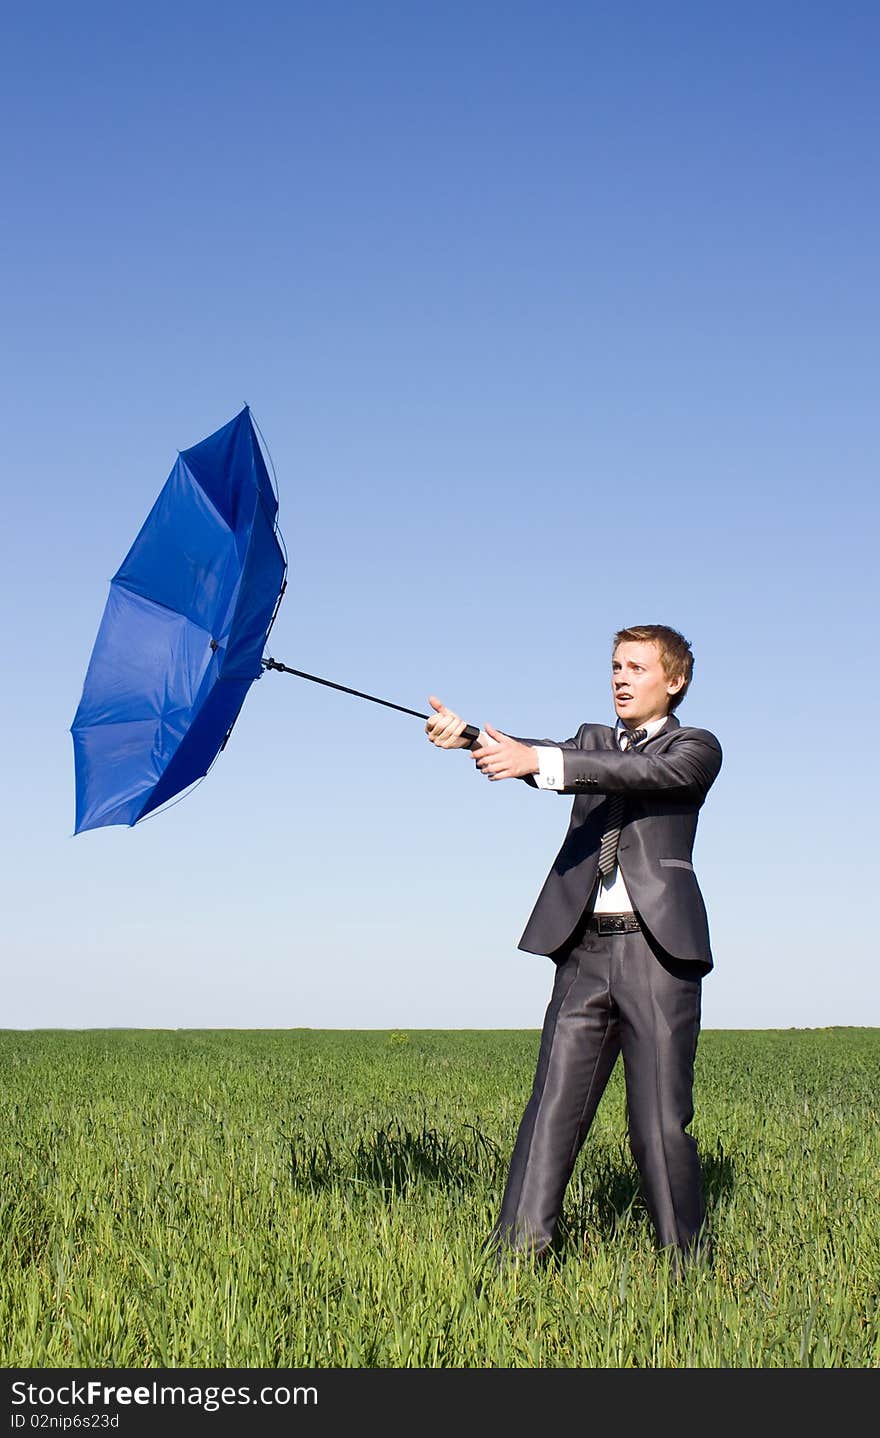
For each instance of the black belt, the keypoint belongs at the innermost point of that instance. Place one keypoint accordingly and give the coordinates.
(612, 924)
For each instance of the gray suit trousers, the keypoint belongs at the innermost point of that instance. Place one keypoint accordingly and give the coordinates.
(612, 994)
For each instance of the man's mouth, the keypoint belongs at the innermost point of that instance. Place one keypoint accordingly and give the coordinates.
(623, 698)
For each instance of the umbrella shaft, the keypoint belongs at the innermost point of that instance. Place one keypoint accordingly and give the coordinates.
(358, 693)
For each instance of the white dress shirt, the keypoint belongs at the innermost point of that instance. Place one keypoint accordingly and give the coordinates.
(611, 896)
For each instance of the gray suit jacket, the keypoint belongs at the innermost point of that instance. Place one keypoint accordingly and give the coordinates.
(666, 782)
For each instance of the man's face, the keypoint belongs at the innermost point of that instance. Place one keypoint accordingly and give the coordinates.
(639, 685)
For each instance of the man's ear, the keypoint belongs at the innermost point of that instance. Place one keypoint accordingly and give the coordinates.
(673, 685)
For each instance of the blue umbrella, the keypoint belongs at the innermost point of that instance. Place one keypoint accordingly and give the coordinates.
(183, 631)
(182, 635)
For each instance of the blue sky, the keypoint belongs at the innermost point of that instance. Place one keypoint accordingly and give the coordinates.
(556, 318)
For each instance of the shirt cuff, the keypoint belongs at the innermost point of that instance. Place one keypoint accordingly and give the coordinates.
(550, 772)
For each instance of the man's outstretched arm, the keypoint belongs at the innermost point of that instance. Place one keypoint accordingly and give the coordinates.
(686, 769)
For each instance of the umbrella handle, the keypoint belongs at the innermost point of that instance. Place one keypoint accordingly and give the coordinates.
(470, 732)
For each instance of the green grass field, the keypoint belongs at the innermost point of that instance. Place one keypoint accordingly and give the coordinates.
(308, 1199)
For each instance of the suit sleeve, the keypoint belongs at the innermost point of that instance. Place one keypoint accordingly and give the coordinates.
(551, 744)
(685, 770)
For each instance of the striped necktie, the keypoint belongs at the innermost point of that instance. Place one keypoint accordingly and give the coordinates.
(614, 821)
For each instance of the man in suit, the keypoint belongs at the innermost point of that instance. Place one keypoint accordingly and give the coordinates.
(622, 917)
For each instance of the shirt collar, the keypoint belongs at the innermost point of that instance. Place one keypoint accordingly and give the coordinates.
(652, 728)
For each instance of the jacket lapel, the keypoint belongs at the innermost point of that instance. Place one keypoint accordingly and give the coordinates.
(667, 728)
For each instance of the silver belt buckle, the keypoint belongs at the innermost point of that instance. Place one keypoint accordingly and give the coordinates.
(611, 924)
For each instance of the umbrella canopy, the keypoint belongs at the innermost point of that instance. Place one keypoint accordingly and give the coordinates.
(182, 635)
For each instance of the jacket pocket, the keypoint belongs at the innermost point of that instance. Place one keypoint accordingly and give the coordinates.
(677, 864)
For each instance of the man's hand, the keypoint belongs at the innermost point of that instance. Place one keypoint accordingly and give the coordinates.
(445, 727)
(507, 759)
